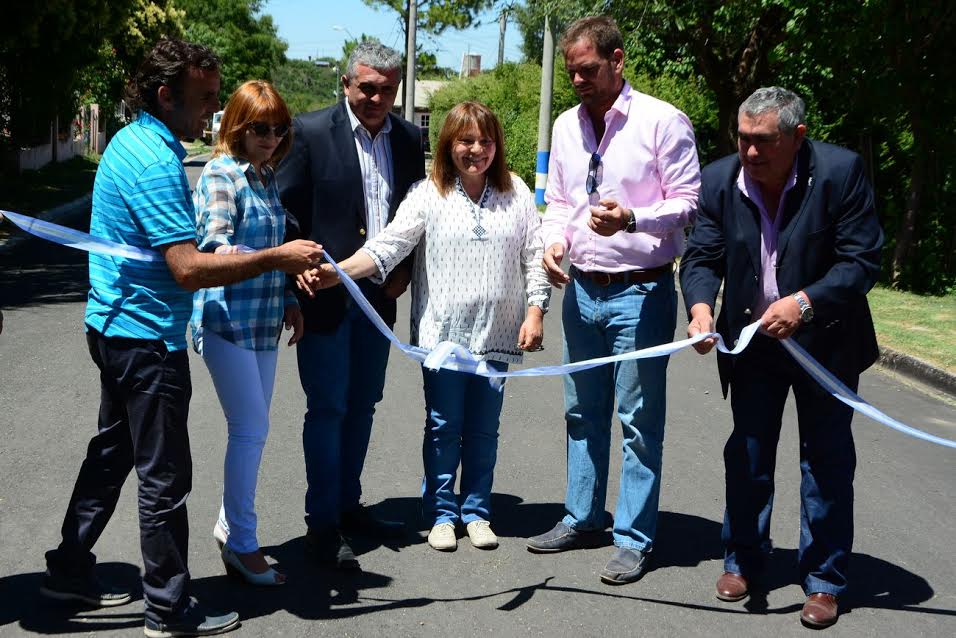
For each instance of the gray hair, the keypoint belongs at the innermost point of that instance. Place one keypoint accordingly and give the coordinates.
(788, 106)
(375, 55)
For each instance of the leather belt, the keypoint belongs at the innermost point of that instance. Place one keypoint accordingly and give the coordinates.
(626, 277)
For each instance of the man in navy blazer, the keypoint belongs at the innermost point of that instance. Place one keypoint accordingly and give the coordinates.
(789, 227)
(348, 170)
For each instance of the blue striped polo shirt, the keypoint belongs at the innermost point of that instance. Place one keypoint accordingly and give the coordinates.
(140, 198)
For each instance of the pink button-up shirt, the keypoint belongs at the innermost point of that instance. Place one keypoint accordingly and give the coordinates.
(648, 164)
(767, 293)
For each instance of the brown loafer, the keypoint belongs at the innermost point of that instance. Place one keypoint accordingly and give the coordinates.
(820, 610)
(732, 587)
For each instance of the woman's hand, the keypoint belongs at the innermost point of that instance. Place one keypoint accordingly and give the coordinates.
(226, 249)
(293, 321)
(532, 330)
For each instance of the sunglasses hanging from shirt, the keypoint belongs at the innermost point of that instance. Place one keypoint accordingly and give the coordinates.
(590, 186)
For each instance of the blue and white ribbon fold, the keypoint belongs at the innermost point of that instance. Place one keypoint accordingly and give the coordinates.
(77, 239)
(451, 356)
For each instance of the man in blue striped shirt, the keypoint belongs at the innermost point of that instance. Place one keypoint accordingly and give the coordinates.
(136, 323)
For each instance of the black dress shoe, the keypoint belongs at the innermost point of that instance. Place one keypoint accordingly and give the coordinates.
(562, 538)
(330, 549)
(361, 522)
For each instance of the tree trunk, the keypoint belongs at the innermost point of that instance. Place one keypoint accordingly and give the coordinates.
(906, 233)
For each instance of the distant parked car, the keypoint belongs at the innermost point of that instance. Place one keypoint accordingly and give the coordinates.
(216, 121)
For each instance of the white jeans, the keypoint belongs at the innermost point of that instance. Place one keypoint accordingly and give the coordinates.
(244, 381)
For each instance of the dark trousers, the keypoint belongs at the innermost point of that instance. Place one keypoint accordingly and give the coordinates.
(762, 378)
(144, 404)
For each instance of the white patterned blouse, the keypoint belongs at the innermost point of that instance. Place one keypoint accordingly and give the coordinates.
(477, 266)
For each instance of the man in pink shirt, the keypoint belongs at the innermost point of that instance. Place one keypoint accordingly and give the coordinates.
(622, 185)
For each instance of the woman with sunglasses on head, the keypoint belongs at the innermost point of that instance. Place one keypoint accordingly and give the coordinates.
(477, 282)
(236, 328)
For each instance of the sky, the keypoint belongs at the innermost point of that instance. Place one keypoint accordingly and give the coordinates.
(309, 28)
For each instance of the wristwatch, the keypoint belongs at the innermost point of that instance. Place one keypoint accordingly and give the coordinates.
(631, 224)
(806, 310)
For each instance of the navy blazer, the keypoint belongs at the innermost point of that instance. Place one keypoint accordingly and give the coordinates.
(320, 184)
(828, 246)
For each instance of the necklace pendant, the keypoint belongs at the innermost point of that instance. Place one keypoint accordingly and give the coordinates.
(479, 231)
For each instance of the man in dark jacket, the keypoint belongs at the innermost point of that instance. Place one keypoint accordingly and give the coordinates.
(789, 227)
(349, 169)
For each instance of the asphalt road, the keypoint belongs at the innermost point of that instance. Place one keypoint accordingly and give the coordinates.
(903, 569)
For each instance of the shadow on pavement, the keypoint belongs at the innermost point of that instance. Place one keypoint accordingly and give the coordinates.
(23, 604)
(38, 272)
(313, 593)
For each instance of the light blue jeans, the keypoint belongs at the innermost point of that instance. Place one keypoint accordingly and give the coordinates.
(462, 413)
(244, 380)
(601, 321)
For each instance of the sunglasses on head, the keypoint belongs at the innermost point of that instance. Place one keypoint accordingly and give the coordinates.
(591, 185)
(261, 129)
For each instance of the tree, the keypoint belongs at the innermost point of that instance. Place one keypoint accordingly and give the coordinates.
(434, 16)
(305, 85)
(148, 22)
(246, 41)
(43, 48)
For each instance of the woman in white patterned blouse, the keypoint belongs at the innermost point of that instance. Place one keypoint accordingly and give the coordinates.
(477, 282)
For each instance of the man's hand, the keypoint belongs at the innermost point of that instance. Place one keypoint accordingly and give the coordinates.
(295, 256)
(553, 256)
(701, 322)
(293, 321)
(782, 318)
(532, 330)
(397, 283)
(608, 218)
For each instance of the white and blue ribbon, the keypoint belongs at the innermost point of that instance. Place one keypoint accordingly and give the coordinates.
(451, 356)
(77, 239)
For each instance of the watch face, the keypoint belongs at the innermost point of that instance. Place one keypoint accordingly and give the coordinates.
(807, 315)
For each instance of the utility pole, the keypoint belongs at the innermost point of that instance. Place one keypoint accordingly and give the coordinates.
(502, 26)
(410, 61)
(544, 114)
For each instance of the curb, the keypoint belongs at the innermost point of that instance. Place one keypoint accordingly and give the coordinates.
(918, 370)
(61, 213)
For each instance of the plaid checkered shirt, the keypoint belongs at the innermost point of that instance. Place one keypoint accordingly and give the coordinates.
(234, 207)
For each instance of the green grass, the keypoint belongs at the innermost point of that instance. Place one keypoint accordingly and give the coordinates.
(198, 147)
(916, 325)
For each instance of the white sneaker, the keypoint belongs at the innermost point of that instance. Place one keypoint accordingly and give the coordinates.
(481, 535)
(442, 537)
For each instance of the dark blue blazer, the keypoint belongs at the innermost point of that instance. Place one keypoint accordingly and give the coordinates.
(320, 184)
(829, 247)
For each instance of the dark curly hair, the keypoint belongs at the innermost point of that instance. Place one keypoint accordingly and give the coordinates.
(167, 65)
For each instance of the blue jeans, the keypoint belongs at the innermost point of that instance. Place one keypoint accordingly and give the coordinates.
(342, 374)
(762, 377)
(601, 321)
(462, 412)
